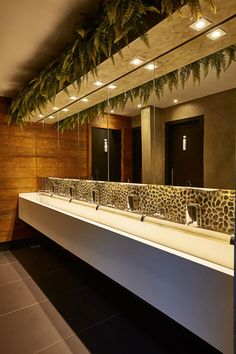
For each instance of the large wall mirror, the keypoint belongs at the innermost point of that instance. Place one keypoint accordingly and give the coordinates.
(148, 133)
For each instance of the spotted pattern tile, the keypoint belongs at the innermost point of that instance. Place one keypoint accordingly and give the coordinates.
(168, 202)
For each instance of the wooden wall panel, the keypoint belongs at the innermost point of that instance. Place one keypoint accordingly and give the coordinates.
(37, 150)
(26, 155)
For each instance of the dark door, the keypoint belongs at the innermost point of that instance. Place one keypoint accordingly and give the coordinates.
(114, 155)
(184, 152)
(101, 141)
(137, 155)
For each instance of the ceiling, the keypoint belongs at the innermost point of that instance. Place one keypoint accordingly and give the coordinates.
(32, 33)
(173, 44)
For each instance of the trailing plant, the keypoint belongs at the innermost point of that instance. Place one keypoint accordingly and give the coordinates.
(219, 61)
(117, 22)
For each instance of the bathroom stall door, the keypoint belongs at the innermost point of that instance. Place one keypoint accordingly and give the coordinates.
(184, 152)
(101, 142)
(137, 155)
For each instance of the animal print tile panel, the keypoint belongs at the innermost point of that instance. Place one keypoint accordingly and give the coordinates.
(167, 202)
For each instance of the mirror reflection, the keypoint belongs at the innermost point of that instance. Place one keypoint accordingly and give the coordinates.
(185, 137)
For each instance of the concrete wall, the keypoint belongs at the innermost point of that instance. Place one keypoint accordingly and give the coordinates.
(219, 112)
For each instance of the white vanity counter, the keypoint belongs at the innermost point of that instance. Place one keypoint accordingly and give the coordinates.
(207, 247)
(185, 272)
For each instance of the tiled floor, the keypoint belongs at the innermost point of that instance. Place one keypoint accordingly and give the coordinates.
(53, 303)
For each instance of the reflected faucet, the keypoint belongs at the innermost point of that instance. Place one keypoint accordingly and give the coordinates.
(130, 203)
(160, 213)
(193, 215)
(95, 196)
(53, 190)
(71, 193)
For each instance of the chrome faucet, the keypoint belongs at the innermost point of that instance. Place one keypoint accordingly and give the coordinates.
(130, 203)
(160, 213)
(53, 190)
(95, 196)
(71, 193)
(193, 215)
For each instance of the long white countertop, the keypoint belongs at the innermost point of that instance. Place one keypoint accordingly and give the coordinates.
(208, 248)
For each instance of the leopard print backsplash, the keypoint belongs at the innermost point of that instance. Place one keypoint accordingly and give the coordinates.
(168, 202)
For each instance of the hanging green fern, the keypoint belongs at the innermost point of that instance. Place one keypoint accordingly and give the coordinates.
(219, 61)
(95, 41)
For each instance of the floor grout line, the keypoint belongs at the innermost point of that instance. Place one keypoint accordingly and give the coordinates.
(52, 345)
(100, 322)
(7, 263)
(42, 301)
(22, 308)
(79, 332)
(30, 277)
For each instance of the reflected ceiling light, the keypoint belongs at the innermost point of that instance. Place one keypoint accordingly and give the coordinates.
(200, 24)
(175, 100)
(150, 66)
(136, 61)
(98, 83)
(55, 108)
(84, 99)
(112, 87)
(217, 33)
(51, 117)
(139, 105)
(40, 116)
(65, 110)
(73, 98)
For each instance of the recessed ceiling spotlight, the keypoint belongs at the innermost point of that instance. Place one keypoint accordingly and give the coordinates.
(175, 100)
(150, 66)
(65, 110)
(112, 87)
(200, 24)
(73, 98)
(136, 61)
(139, 105)
(84, 99)
(98, 83)
(55, 108)
(40, 116)
(51, 117)
(217, 33)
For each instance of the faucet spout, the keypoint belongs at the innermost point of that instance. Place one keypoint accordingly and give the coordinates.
(130, 202)
(95, 196)
(53, 191)
(71, 193)
(193, 215)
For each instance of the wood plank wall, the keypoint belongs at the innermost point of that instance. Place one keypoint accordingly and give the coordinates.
(26, 155)
(37, 150)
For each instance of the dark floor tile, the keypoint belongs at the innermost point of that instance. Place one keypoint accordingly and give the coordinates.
(6, 257)
(58, 282)
(31, 329)
(19, 294)
(72, 345)
(122, 335)
(37, 260)
(84, 308)
(119, 336)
